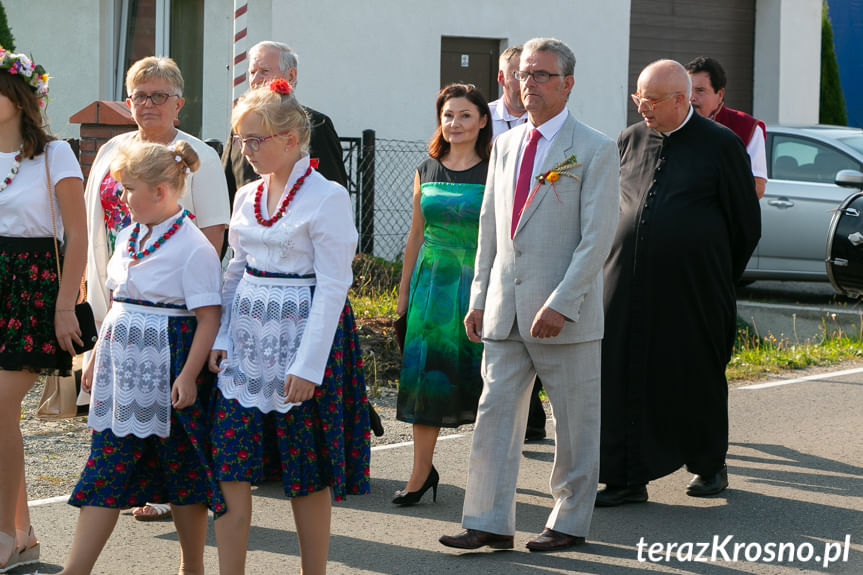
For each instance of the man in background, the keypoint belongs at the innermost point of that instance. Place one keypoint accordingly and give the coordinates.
(708, 99)
(268, 61)
(507, 112)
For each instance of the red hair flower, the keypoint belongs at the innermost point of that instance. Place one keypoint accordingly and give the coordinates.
(281, 86)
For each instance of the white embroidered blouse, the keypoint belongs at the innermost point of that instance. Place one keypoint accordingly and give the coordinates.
(316, 235)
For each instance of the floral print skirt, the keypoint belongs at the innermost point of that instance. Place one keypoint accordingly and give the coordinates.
(323, 442)
(127, 471)
(28, 295)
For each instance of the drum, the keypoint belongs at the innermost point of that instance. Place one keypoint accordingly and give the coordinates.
(844, 256)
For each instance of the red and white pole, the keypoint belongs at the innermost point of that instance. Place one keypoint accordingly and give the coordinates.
(240, 65)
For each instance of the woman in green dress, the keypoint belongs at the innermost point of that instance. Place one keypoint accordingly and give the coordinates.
(440, 380)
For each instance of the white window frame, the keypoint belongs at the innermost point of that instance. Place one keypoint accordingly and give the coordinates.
(118, 15)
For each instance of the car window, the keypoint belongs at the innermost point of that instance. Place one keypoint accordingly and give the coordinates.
(806, 160)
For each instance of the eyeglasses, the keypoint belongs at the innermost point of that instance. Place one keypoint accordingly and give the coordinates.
(158, 98)
(254, 143)
(651, 102)
(540, 76)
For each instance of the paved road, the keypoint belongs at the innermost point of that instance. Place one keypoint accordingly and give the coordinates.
(796, 466)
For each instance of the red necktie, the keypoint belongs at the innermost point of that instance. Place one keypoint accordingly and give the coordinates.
(522, 185)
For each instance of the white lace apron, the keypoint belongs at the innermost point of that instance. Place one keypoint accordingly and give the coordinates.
(268, 318)
(132, 377)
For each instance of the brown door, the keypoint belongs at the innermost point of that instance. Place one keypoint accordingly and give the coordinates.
(685, 29)
(470, 61)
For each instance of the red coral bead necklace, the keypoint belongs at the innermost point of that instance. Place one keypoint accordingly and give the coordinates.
(283, 206)
(133, 238)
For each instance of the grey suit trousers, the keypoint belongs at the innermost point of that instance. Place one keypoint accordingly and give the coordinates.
(570, 374)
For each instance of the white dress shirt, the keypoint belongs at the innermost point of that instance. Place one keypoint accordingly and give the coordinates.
(548, 130)
(501, 119)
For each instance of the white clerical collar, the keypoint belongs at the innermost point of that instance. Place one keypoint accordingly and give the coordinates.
(550, 128)
(683, 123)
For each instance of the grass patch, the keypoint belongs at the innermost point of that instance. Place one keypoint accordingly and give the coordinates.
(755, 356)
(374, 296)
(382, 304)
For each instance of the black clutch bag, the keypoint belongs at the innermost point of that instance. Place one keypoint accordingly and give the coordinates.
(87, 325)
(400, 327)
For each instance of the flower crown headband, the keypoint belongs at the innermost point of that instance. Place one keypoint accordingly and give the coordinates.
(34, 75)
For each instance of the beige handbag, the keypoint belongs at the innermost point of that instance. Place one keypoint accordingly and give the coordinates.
(60, 395)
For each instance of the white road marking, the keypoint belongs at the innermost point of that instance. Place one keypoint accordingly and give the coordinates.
(802, 379)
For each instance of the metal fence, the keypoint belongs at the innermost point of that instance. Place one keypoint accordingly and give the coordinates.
(380, 181)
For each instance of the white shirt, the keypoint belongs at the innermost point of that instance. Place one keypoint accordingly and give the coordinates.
(206, 196)
(315, 235)
(25, 210)
(548, 130)
(185, 270)
(501, 119)
(757, 153)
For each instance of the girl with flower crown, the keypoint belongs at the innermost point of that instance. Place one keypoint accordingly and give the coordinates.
(290, 400)
(37, 319)
(148, 385)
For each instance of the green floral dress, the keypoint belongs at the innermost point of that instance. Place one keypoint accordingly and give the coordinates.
(440, 380)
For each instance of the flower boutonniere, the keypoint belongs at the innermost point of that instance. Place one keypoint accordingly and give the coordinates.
(554, 175)
(559, 170)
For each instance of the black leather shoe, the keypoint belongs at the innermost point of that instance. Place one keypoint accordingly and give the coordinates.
(705, 486)
(612, 495)
(536, 434)
(551, 540)
(474, 539)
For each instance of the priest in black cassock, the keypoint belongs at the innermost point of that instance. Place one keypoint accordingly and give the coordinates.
(689, 220)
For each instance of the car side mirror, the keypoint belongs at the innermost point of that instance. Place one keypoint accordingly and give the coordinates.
(849, 179)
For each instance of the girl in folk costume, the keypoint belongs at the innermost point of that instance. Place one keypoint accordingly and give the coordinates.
(37, 319)
(148, 388)
(287, 352)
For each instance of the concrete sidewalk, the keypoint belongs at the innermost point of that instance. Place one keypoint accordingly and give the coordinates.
(795, 463)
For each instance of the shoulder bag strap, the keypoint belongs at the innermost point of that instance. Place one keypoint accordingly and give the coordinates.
(53, 221)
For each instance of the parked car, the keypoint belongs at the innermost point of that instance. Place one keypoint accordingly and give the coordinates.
(800, 198)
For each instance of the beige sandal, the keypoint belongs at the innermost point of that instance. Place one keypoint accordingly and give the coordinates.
(28, 546)
(162, 511)
(13, 560)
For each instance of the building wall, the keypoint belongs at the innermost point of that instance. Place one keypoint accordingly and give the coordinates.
(66, 38)
(787, 79)
(75, 45)
(376, 64)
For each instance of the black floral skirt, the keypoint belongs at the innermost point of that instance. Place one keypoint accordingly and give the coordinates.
(28, 295)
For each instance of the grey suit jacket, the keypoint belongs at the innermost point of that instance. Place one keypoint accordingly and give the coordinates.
(561, 242)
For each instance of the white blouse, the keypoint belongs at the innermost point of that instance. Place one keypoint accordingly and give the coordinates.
(185, 270)
(25, 211)
(316, 235)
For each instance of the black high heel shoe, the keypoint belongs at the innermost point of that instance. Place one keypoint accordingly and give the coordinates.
(412, 497)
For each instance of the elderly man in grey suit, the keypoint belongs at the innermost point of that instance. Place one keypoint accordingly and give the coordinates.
(546, 226)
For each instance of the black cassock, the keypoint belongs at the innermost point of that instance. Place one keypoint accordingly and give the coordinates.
(689, 220)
